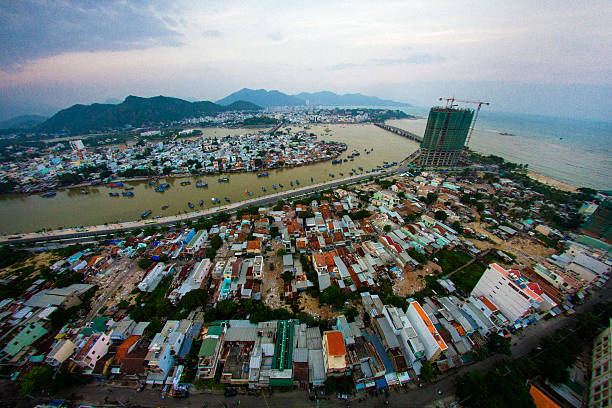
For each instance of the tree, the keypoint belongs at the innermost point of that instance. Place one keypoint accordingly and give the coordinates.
(387, 228)
(281, 252)
(145, 263)
(287, 276)
(499, 344)
(428, 372)
(216, 242)
(457, 226)
(441, 215)
(36, 379)
(194, 299)
(431, 198)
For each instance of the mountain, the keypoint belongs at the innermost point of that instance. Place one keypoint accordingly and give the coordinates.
(113, 101)
(332, 99)
(268, 99)
(134, 111)
(22, 122)
(262, 97)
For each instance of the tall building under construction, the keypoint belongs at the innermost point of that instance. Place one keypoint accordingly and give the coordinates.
(445, 135)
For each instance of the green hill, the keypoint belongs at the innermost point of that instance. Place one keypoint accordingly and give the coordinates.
(133, 111)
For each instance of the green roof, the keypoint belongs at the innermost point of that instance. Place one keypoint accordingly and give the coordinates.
(214, 331)
(98, 323)
(24, 338)
(208, 347)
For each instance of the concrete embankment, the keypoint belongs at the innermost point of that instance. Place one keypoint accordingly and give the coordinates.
(72, 235)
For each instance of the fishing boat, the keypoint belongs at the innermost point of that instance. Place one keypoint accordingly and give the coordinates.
(185, 183)
(113, 194)
(280, 185)
(199, 184)
(248, 192)
(264, 174)
(151, 182)
(263, 189)
(217, 200)
(291, 182)
(146, 214)
(311, 179)
(297, 182)
(227, 199)
(331, 175)
(214, 200)
(360, 168)
(274, 186)
(49, 194)
(165, 207)
(127, 194)
(115, 185)
(84, 191)
(337, 161)
(201, 203)
(223, 180)
(128, 188)
(160, 189)
(341, 174)
(345, 160)
(190, 204)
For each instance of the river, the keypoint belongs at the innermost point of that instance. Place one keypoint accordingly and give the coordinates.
(69, 208)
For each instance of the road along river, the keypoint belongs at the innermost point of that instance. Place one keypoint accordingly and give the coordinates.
(71, 209)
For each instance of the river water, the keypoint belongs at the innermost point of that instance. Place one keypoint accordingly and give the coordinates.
(70, 208)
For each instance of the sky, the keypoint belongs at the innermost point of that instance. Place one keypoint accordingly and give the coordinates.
(541, 57)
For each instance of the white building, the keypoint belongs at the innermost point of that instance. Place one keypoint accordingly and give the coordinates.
(514, 295)
(428, 334)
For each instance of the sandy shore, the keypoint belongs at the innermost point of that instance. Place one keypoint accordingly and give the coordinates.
(552, 182)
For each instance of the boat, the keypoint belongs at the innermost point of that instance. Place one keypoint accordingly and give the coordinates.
(506, 134)
(165, 207)
(151, 182)
(115, 185)
(185, 183)
(360, 168)
(214, 200)
(128, 188)
(354, 171)
(345, 160)
(280, 185)
(274, 186)
(190, 204)
(223, 180)
(291, 182)
(160, 189)
(331, 175)
(227, 199)
(337, 161)
(311, 179)
(199, 184)
(217, 200)
(356, 154)
(84, 191)
(341, 174)
(248, 192)
(297, 182)
(127, 194)
(113, 194)
(263, 189)
(201, 203)
(49, 194)
(146, 214)
(352, 159)
(264, 174)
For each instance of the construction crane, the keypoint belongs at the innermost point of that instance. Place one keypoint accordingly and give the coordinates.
(450, 103)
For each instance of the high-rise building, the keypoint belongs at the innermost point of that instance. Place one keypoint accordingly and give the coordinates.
(600, 394)
(445, 135)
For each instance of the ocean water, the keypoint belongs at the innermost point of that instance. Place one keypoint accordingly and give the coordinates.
(576, 151)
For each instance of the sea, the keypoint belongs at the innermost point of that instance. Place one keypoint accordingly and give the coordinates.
(574, 151)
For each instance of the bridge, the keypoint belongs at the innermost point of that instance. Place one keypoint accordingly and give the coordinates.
(274, 129)
(400, 132)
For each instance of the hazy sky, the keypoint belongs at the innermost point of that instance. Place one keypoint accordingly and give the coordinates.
(545, 57)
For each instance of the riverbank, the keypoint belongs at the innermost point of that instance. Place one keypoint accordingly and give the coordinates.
(106, 229)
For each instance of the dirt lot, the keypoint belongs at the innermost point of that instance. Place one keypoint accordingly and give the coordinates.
(410, 282)
(40, 259)
(272, 284)
(311, 306)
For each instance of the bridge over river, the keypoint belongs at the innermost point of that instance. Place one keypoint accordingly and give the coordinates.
(400, 132)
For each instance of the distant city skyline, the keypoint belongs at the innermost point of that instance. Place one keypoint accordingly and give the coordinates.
(551, 58)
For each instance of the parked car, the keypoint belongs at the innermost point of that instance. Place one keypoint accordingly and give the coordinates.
(230, 392)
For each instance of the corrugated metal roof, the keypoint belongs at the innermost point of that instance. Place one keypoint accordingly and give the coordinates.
(300, 355)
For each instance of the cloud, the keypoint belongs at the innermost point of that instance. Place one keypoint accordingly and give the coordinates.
(276, 36)
(374, 62)
(34, 29)
(212, 33)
